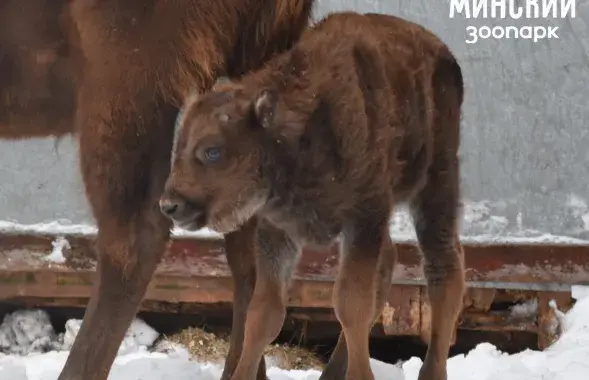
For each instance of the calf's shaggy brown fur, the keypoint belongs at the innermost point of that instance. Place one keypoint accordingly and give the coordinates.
(115, 72)
(361, 115)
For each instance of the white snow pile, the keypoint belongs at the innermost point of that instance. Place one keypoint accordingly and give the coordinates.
(34, 352)
(139, 336)
(30, 331)
(27, 331)
(56, 255)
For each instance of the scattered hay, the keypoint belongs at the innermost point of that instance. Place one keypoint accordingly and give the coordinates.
(213, 348)
(202, 345)
(292, 357)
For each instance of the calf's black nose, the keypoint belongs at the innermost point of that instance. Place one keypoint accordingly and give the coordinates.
(170, 206)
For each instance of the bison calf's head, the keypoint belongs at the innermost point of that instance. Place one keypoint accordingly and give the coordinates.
(216, 179)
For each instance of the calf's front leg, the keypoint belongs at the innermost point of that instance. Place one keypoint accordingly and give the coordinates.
(276, 257)
(240, 251)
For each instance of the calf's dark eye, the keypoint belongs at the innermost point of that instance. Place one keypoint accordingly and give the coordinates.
(212, 154)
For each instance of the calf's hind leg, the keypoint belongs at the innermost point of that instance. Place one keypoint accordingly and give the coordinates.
(435, 212)
(356, 292)
(436, 209)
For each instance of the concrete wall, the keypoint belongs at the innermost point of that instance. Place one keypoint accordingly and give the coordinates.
(525, 138)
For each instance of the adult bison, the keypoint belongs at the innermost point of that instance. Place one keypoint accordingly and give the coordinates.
(115, 72)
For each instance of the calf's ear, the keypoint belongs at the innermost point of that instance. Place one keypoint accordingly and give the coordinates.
(264, 107)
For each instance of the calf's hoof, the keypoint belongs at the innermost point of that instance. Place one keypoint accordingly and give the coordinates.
(333, 375)
(432, 372)
(260, 376)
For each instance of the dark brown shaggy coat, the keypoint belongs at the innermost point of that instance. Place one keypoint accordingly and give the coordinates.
(360, 115)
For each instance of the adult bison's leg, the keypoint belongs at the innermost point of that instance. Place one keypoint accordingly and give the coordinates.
(240, 251)
(125, 156)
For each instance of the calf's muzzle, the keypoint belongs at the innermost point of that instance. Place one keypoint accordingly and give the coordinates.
(180, 210)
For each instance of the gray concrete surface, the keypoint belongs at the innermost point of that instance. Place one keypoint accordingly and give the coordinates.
(525, 136)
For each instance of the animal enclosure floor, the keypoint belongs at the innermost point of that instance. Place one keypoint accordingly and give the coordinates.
(142, 356)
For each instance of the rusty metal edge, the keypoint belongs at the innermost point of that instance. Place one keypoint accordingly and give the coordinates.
(487, 265)
(194, 271)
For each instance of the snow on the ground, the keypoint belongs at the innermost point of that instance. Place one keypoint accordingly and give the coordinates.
(27, 331)
(35, 352)
(479, 225)
(491, 231)
(65, 227)
(139, 336)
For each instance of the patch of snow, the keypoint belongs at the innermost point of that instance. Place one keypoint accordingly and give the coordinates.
(56, 227)
(56, 255)
(482, 227)
(566, 359)
(579, 291)
(479, 225)
(401, 230)
(524, 310)
(204, 233)
(30, 331)
(478, 217)
(138, 337)
(64, 227)
(560, 321)
(537, 239)
(27, 331)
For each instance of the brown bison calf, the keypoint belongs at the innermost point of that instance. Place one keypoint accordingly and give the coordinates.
(362, 114)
